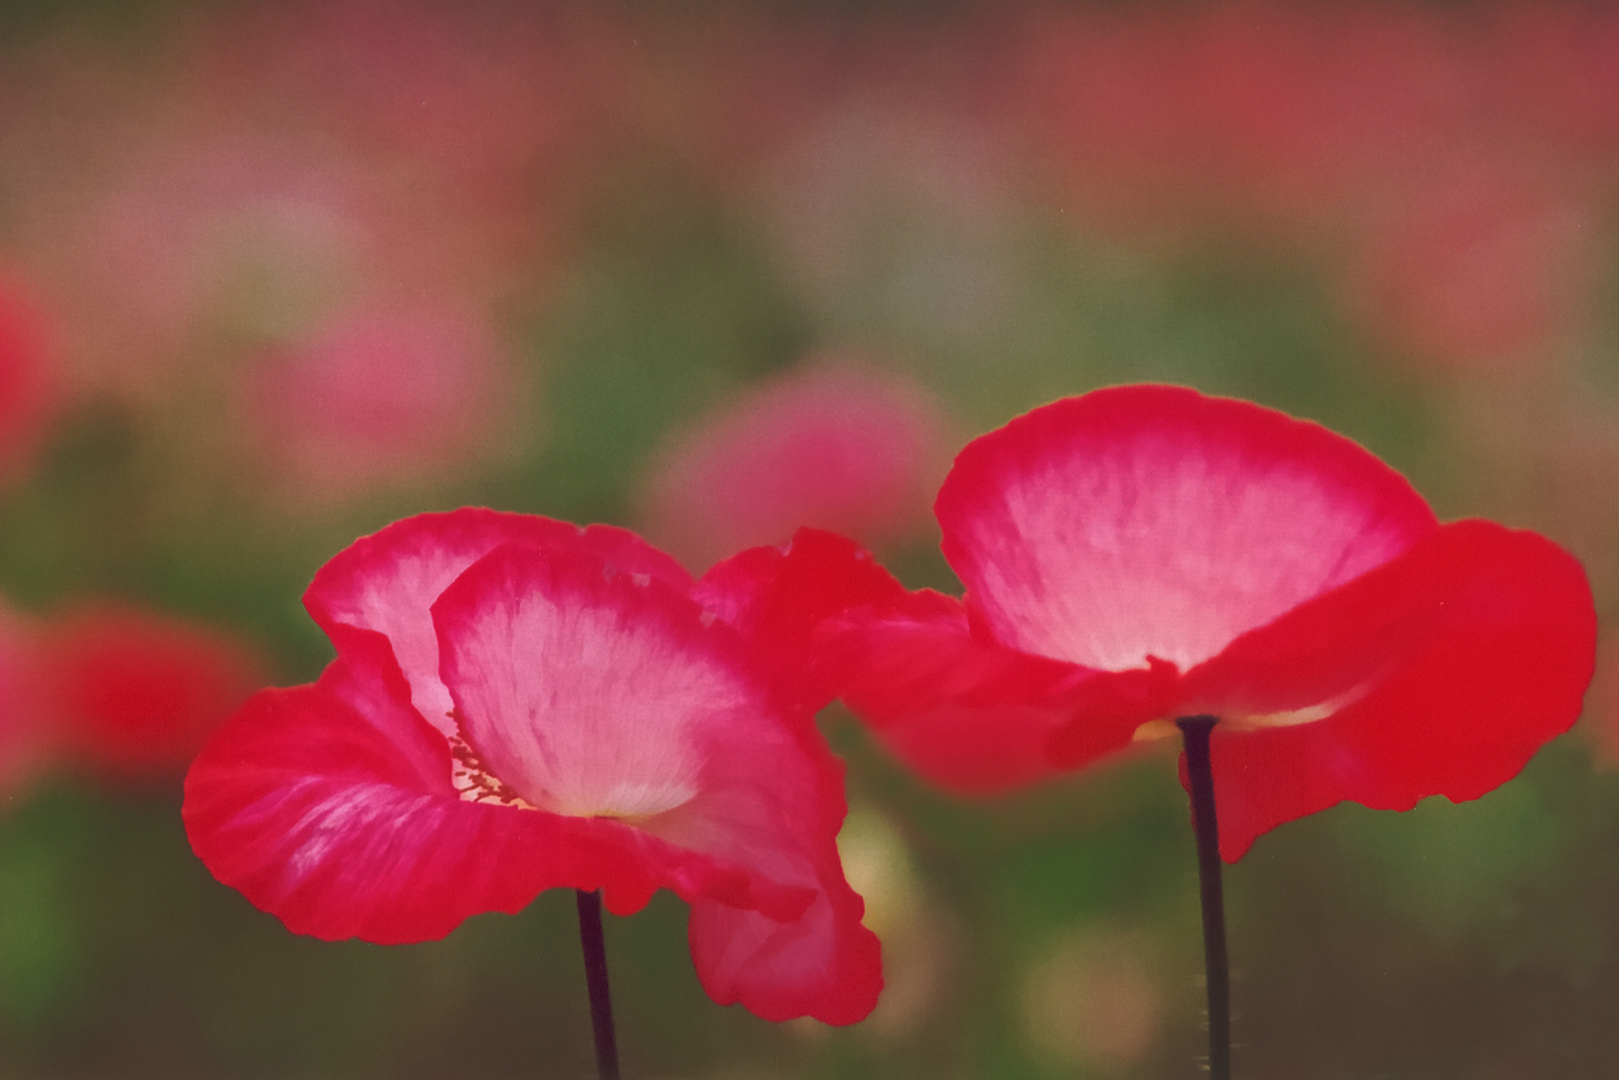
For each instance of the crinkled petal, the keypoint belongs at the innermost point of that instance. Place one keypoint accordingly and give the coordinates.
(387, 581)
(1151, 521)
(778, 809)
(594, 693)
(824, 964)
(599, 694)
(590, 692)
(331, 806)
(967, 714)
(1443, 672)
(777, 597)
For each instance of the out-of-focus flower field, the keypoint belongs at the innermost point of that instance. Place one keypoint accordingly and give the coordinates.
(273, 275)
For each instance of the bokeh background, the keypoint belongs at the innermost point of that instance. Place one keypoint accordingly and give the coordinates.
(273, 275)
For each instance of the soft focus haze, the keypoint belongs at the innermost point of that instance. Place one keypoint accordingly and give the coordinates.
(275, 274)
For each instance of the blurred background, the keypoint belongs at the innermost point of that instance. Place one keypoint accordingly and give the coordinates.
(273, 275)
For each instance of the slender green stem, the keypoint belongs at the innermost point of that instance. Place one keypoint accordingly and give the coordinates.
(601, 1002)
(1195, 732)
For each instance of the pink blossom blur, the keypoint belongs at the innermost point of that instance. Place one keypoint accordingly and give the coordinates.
(377, 399)
(831, 445)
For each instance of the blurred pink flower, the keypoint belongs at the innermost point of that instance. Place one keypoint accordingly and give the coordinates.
(1290, 122)
(1479, 266)
(1554, 69)
(275, 165)
(490, 91)
(832, 445)
(376, 399)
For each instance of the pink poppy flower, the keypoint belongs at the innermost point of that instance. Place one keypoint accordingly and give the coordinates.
(874, 443)
(1478, 268)
(377, 398)
(520, 704)
(1144, 553)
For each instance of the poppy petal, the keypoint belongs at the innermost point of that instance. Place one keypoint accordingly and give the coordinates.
(778, 807)
(332, 807)
(1151, 521)
(824, 964)
(387, 581)
(599, 695)
(777, 597)
(974, 717)
(1454, 664)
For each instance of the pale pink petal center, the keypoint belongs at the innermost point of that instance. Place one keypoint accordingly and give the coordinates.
(1152, 522)
(587, 693)
(386, 582)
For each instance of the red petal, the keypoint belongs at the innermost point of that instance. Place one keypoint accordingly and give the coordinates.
(593, 693)
(778, 596)
(1456, 661)
(387, 581)
(968, 714)
(25, 733)
(825, 964)
(331, 806)
(776, 804)
(589, 692)
(1150, 521)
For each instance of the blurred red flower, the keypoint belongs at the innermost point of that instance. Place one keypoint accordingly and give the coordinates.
(29, 384)
(833, 446)
(131, 693)
(521, 704)
(1144, 553)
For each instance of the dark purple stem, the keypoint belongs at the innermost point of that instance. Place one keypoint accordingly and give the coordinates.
(601, 1002)
(1217, 968)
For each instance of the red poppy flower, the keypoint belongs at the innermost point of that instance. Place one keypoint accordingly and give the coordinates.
(29, 386)
(133, 693)
(1144, 553)
(520, 704)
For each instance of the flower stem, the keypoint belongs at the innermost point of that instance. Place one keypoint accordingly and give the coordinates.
(1195, 734)
(601, 1002)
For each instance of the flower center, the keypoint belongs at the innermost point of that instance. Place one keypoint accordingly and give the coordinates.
(1235, 721)
(621, 797)
(474, 783)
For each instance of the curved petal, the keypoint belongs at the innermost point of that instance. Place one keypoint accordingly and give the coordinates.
(777, 597)
(600, 695)
(1151, 521)
(972, 716)
(824, 964)
(332, 807)
(388, 580)
(776, 805)
(592, 693)
(1453, 665)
